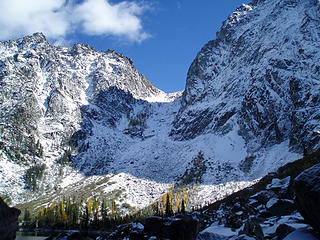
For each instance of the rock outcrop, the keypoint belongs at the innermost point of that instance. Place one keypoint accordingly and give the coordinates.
(179, 227)
(307, 191)
(8, 221)
(266, 210)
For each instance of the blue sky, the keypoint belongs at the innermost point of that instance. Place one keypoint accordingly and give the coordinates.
(161, 36)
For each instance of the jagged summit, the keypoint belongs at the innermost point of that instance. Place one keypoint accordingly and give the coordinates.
(259, 75)
(50, 95)
(87, 121)
(108, 68)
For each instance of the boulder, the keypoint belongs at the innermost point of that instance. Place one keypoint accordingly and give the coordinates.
(242, 237)
(307, 191)
(280, 207)
(183, 227)
(8, 221)
(211, 236)
(252, 229)
(279, 184)
(302, 233)
(216, 232)
(233, 221)
(281, 187)
(154, 225)
(283, 230)
(263, 196)
(133, 231)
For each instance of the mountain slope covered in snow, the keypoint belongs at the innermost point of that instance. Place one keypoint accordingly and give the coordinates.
(73, 118)
(260, 74)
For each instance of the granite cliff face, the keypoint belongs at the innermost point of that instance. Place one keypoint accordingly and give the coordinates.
(75, 119)
(260, 75)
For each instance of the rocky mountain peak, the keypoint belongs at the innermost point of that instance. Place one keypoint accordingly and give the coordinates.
(38, 37)
(255, 75)
(33, 42)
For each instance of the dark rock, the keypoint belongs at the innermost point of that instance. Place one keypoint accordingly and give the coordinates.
(133, 231)
(303, 233)
(264, 214)
(185, 228)
(307, 191)
(253, 203)
(8, 221)
(281, 207)
(233, 221)
(263, 196)
(281, 187)
(75, 236)
(241, 237)
(283, 230)
(186, 128)
(135, 235)
(178, 228)
(252, 229)
(154, 225)
(211, 236)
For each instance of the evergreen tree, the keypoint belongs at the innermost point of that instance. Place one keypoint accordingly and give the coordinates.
(104, 210)
(113, 210)
(49, 215)
(157, 209)
(95, 209)
(26, 215)
(63, 213)
(168, 211)
(183, 207)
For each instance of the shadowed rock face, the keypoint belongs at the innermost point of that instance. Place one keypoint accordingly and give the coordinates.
(307, 190)
(8, 221)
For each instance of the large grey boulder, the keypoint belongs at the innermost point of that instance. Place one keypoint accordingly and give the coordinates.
(307, 191)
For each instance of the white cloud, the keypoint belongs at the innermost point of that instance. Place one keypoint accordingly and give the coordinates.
(57, 18)
(99, 17)
(20, 17)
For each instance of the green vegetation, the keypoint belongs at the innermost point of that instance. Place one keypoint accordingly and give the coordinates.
(246, 164)
(138, 121)
(194, 173)
(74, 213)
(137, 124)
(33, 175)
(178, 199)
(103, 211)
(66, 158)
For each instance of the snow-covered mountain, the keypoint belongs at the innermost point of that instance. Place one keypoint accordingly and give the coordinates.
(74, 119)
(260, 75)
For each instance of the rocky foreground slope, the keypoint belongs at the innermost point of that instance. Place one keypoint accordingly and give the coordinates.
(282, 205)
(77, 121)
